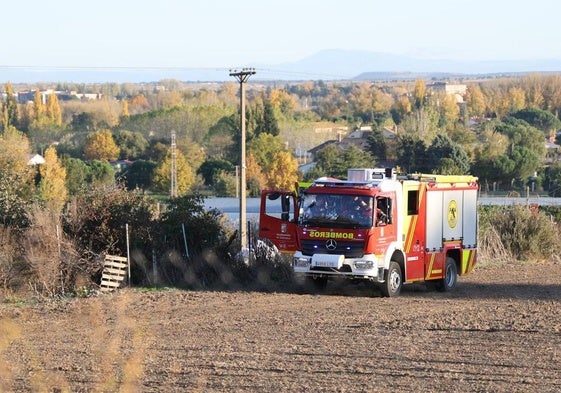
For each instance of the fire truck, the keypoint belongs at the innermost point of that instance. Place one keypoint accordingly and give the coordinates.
(377, 226)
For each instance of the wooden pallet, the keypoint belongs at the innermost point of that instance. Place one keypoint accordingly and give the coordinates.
(114, 272)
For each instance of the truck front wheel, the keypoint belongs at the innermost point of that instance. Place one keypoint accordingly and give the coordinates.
(393, 281)
(316, 284)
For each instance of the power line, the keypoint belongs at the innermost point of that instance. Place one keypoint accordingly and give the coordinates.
(221, 70)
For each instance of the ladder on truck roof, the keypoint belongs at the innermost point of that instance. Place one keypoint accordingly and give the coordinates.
(431, 178)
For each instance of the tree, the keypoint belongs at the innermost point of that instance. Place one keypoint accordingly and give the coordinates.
(101, 146)
(255, 177)
(78, 174)
(52, 187)
(210, 167)
(411, 153)
(282, 101)
(131, 144)
(475, 101)
(264, 147)
(270, 124)
(83, 122)
(449, 110)
(335, 162)
(419, 93)
(97, 224)
(282, 172)
(541, 119)
(52, 109)
(9, 109)
(446, 157)
(139, 175)
(225, 183)
(162, 174)
(16, 178)
(101, 174)
(553, 179)
(421, 124)
(377, 144)
(223, 139)
(38, 106)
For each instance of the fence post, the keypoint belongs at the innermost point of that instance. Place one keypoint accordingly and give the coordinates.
(185, 240)
(128, 255)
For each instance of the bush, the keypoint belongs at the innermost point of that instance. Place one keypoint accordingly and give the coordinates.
(517, 232)
(41, 259)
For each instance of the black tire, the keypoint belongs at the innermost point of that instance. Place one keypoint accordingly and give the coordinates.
(316, 284)
(450, 279)
(393, 281)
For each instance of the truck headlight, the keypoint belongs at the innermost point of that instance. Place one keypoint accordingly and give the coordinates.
(364, 265)
(301, 262)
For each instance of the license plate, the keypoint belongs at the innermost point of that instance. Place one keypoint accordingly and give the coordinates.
(323, 260)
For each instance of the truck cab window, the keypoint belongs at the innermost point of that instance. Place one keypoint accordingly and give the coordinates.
(413, 202)
(383, 211)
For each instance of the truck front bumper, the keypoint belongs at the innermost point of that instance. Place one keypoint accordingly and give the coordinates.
(367, 267)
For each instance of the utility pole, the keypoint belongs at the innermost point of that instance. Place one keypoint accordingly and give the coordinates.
(173, 189)
(242, 76)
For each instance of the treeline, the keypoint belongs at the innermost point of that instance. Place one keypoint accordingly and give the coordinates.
(497, 131)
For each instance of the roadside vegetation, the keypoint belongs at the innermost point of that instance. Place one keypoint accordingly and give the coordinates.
(107, 169)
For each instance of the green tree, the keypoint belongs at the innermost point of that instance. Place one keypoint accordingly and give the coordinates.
(377, 144)
(225, 183)
(98, 222)
(101, 146)
(334, 162)
(210, 167)
(139, 175)
(541, 119)
(446, 157)
(131, 144)
(203, 227)
(77, 175)
(222, 140)
(264, 147)
(101, 174)
(553, 179)
(270, 124)
(411, 154)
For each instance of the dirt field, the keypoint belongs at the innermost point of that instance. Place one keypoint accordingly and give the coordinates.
(499, 331)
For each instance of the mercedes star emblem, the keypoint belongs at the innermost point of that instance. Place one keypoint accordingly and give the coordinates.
(331, 244)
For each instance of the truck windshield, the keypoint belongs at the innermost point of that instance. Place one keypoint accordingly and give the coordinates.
(341, 211)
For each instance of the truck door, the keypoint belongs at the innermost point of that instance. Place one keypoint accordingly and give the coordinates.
(384, 222)
(277, 219)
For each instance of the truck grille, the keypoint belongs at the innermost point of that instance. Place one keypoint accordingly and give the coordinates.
(348, 249)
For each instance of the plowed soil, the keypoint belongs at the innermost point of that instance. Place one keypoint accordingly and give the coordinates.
(498, 331)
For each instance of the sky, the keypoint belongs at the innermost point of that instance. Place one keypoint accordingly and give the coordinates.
(229, 34)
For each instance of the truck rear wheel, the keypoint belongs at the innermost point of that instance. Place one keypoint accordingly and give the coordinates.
(448, 282)
(393, 281)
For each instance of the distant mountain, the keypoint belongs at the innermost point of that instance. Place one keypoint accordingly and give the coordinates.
(332, 64)
(351, 64)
